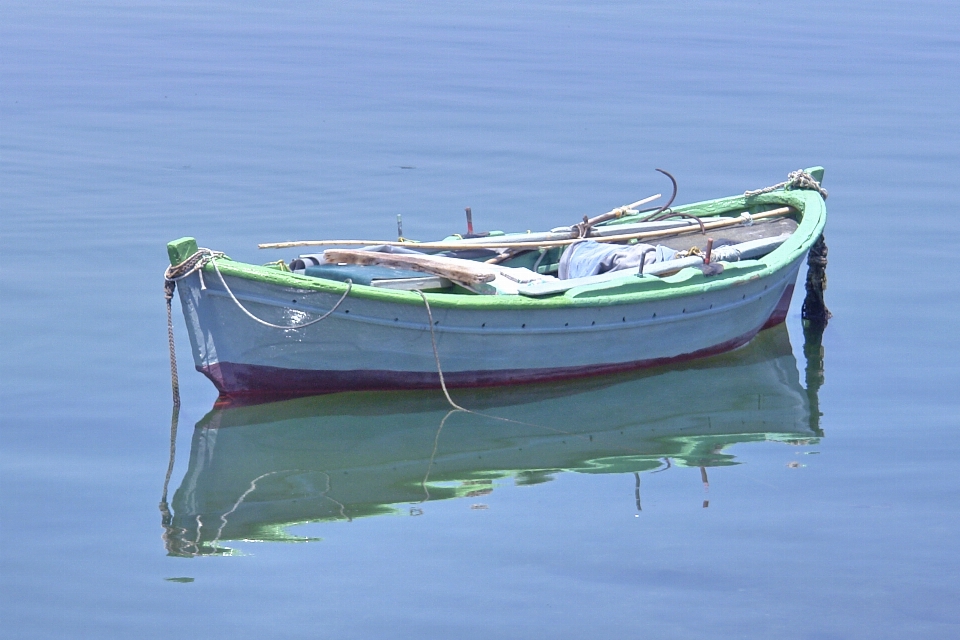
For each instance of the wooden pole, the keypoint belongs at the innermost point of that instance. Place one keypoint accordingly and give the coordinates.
(620, 211)
(449, 246)
(464, 271)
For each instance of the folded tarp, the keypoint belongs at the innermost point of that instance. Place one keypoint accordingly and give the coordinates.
(589, 258)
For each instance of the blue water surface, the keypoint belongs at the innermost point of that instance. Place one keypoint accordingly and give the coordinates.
(126, 125)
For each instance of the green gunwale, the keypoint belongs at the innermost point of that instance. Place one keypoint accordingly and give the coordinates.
(812, 217)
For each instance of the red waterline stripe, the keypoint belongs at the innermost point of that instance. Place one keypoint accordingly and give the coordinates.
(780, 312)
(253, 384)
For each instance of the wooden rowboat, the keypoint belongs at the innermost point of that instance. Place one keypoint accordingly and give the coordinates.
(483, 311)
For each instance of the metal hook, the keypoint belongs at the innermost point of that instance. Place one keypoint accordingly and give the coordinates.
(672, 197)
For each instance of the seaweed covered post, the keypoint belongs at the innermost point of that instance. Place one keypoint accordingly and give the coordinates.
(814, 311)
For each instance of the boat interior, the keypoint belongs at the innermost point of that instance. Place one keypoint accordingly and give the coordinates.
(650, 244)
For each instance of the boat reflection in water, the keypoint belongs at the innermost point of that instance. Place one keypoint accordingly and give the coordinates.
(256, 470)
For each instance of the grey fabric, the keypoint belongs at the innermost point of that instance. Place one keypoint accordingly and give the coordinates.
(588, 258)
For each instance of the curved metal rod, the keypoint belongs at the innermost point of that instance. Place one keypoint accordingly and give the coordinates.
(674, 195)
(663, 212)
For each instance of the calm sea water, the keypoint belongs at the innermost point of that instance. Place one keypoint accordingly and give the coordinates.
(705, 501)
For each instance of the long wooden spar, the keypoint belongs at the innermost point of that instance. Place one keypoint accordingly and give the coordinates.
(449, 246)
(462, 271)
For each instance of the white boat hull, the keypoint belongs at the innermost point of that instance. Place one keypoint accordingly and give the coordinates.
(377, 344)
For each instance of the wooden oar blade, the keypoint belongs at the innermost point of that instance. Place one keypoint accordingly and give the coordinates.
(455, 269)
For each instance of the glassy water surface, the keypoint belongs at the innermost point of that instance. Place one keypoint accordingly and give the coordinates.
(792, 487)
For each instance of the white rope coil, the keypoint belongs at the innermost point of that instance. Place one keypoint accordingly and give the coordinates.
(200, 259)
(798, 179)
(279, 326)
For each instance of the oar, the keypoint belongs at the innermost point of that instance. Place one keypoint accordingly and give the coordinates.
(449, 246)
(619, 212)
(582, 229)
(463, 271)
(477, 240)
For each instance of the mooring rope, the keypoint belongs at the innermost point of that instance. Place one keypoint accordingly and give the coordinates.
(174, 378)
(433, 455)
(798, 179)
(457, 408)
(236, 505)
(173, 274)
(280, 326)
(194, 264)
(166, 518)
(436, 355)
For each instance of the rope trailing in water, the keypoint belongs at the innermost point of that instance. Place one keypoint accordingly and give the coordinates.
(416, 511)
(436, 356)
(171, 276)
(814, 311)
(457, 407)
(798, 179)
(166, 518)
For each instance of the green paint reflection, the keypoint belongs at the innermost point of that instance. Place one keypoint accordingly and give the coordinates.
(256, 470)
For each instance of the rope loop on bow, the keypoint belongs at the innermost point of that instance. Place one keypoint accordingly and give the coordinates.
(798, 179)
